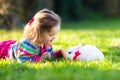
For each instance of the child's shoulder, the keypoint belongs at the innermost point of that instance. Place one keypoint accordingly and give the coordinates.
(26, 43)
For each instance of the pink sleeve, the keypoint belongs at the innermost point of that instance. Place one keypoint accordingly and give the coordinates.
(37, 58)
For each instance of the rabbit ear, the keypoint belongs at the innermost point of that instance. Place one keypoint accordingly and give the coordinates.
(79, 46)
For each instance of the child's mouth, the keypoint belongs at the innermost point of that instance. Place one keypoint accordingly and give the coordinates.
(51, 40)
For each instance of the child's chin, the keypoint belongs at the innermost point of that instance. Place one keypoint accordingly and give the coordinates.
(49, 42)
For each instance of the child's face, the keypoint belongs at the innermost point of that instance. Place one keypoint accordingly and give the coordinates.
(48, 37)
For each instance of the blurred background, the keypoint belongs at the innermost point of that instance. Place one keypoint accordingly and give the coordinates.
(16, 13)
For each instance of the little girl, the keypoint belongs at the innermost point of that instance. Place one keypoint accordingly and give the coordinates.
(36, 46)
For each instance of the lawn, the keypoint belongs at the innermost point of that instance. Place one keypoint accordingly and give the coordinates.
(105, 34)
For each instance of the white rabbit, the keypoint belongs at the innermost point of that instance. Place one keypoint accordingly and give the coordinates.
(84, 53)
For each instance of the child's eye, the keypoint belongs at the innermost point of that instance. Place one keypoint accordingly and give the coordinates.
(51, 35)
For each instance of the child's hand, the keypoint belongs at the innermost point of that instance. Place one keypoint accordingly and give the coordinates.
(62, 52)
(46, 55)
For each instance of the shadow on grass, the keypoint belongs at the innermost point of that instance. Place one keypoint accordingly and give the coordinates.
(113, 54)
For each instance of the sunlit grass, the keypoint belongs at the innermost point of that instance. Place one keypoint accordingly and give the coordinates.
(14, 35)
(105, 34)
(67, 70)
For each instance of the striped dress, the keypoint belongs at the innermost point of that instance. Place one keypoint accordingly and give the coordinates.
(24, 51)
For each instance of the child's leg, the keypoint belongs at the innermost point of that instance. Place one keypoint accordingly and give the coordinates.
(4, 47)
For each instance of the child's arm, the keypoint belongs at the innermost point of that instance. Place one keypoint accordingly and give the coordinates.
(60, 54)
(57, 54)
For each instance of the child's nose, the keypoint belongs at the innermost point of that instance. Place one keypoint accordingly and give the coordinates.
(54, 37)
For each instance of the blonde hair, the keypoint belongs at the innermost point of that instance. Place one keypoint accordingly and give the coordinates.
(42, 22)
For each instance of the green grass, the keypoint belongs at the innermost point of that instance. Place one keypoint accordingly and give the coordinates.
(105, 34)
